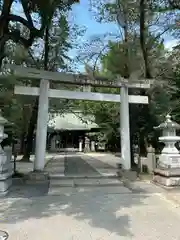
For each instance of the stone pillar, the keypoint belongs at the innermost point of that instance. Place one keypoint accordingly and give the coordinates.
(53, 143)
(5, 162)
(87, 147)
(80, 145)
(151, 159)
(42, 121)
(8, 151)
(135, 149)
(124, 128)
(93, 146)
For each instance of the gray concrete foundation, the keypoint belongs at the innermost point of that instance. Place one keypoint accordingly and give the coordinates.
(167, 177)
(36, 177)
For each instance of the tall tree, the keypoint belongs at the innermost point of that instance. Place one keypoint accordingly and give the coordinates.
(60, 36)
(137, 54)
(44, 11)
(54, 57)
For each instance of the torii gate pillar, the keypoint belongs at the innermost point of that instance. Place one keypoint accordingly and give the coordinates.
(42, 122)
(124, 128)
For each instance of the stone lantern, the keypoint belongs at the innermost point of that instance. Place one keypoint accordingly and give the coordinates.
(168, 168)
(3, 121)
(5, 164)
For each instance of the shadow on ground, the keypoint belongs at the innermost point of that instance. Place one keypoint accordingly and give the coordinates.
(94, 206)
(100, 210)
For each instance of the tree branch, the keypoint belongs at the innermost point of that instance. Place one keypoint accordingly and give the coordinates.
(27, 12)
(175, 4)
(15, 18)
(157, 36)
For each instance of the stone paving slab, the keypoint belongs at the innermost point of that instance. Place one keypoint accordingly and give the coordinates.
(84, 182)
(97, 182)
(89, 216)
(75, 165)
(55, 166)
(61, 183)
(77, 173)
(107, 158)
(93, 190)
(100, 163)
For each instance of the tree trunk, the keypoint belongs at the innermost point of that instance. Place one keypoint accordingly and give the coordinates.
(23, 130)
(126, 36)
(30, 133)
(22, 143)
(143, 30)
(145, 111)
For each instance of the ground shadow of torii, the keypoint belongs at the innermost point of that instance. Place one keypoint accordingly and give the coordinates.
(99, 209)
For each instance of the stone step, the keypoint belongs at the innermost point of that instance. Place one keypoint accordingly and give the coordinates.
(84, 182)
(61, 183)
(89, 190)
(98, 182)
(74, 177)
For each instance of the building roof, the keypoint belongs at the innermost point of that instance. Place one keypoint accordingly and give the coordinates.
(71, 121)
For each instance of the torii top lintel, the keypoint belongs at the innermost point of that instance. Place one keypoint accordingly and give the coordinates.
(75, 79)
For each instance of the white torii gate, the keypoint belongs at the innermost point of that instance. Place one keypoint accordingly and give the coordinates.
(44, 93)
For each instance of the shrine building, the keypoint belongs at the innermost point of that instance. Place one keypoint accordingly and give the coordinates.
(69, 131)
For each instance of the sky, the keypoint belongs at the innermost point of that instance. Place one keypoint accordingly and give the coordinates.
(84, 18)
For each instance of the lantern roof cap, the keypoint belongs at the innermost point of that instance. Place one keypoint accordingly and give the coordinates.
(168, 123)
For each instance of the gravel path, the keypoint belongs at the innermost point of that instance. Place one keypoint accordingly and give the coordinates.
(89, 213)
(90, 216)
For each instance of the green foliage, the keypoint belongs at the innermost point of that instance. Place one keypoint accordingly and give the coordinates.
(18, 109)
(113, 57)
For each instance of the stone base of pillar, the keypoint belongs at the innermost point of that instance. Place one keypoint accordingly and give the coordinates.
(5, 173)
(5, 184)
(167, 177)
(80, 147)
(169, 161)
(36, 177)
(127, 174)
